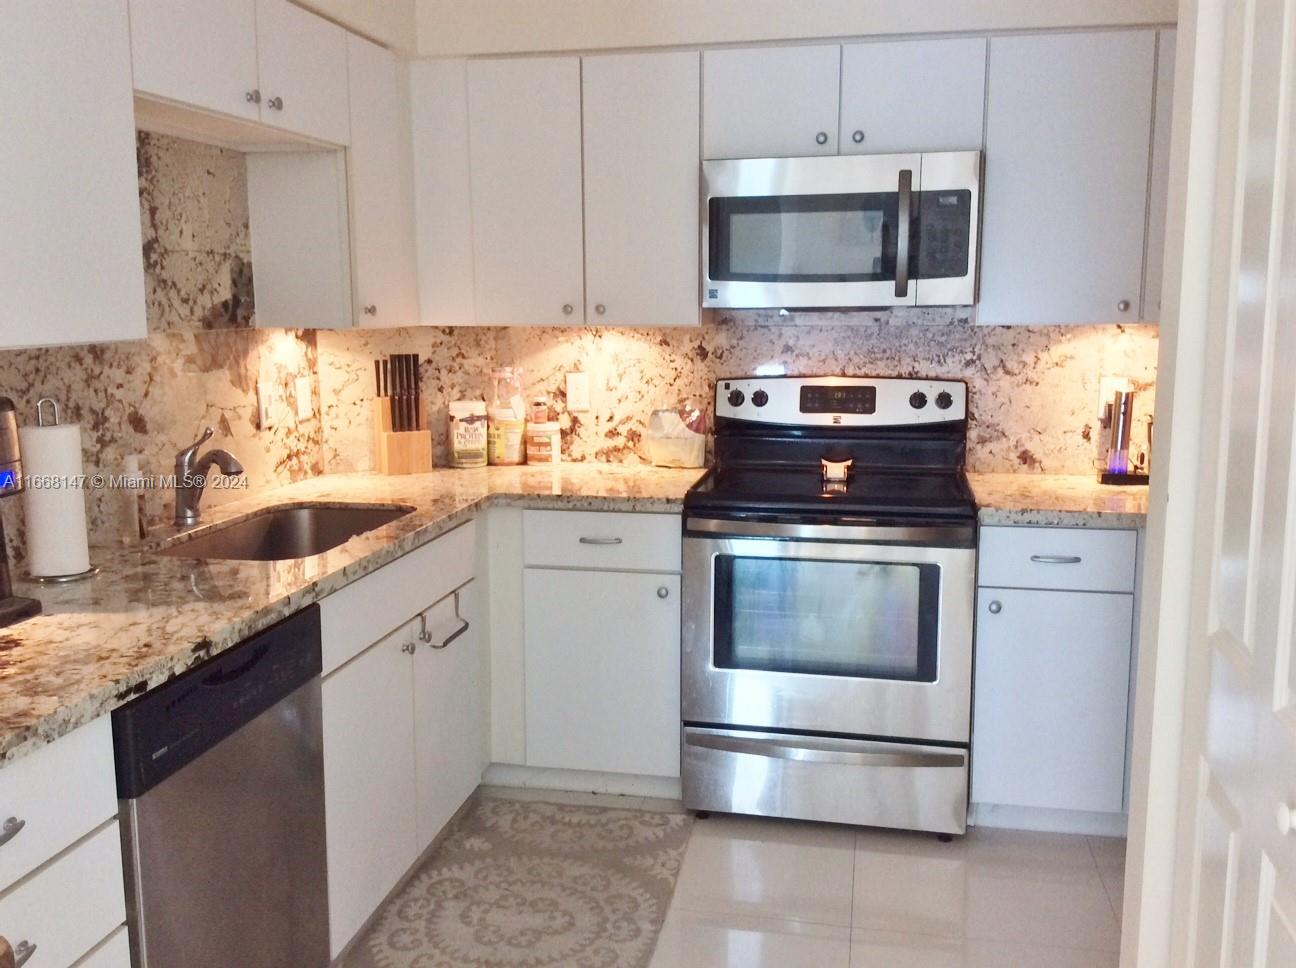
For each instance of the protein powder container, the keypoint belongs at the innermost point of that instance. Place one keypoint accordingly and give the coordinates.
(468, 433)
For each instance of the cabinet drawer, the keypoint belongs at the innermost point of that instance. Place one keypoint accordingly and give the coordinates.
(355, 617)
(67, 908)
(1069, 559)
(601, 539)
(57, 793)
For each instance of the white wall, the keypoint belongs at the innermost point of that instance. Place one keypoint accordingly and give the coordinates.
(389, 22)
(459, 27)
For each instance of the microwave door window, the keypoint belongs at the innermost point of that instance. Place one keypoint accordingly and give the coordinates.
(872, 620)
(803, 238)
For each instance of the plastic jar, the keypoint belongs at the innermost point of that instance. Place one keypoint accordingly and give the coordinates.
(544, 443)
(506, 438)
(468, 433)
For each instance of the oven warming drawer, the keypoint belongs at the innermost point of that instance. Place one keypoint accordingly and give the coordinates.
(849, 781)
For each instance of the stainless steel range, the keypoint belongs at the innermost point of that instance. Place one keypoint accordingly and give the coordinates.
(829, 571)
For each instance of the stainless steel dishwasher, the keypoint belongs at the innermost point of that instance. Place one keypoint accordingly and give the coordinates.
(220, 774)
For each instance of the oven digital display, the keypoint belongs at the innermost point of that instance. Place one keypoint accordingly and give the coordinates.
(849, 399)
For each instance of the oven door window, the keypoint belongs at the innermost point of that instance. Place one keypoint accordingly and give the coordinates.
(870, 620)
(803, 238)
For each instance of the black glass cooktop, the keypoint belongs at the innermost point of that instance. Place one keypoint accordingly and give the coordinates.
(787, 489)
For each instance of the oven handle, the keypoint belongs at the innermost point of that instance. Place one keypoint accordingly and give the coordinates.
(954, 536)
(782, 749)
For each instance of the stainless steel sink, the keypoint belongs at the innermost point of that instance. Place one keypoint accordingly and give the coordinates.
(278, 534)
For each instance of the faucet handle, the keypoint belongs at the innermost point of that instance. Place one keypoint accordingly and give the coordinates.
(187, 455)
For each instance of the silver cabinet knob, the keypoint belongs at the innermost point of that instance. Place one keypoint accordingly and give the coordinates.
(995, 607)
(568, 309)
(409, 648)
(663, 592)
(371, 310)
(276, 103)
(858, 137)
(821, 138)
(1123, 305)
(10, 829)
(600, 309)
(23, 951)
(253, 96)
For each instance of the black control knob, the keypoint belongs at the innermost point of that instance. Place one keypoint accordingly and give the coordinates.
(736, 398)
(918, 400)
(943, 400)
(760, 398)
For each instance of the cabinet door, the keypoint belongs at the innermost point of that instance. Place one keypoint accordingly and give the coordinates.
(449, 711)
(382, 199)
(770, 102)
(368, 781)
(1159, 183)
(199, 52)
(302, 66)
(1051, 698)
(524, 120)
(1068, 127)
(70, 264)
(913, 95)
(602, 671)
(641, 188)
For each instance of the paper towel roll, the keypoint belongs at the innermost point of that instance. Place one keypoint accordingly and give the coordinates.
(54, 500)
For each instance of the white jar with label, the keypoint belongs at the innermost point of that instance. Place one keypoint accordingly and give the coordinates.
(544, 443)
(506, 438)
(468, 433)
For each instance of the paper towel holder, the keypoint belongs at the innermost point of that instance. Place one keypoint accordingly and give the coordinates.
(51, 579)
(13, 608)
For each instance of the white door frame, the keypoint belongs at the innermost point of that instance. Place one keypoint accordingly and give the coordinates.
(1172, 516)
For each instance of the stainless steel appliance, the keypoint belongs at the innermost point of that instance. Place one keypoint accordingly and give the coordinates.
(828, 581)
(220, 774)
(856, 230)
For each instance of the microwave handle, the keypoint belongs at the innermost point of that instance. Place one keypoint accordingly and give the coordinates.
(902, 232)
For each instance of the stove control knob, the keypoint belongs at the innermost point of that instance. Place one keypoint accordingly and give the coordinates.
(736, 398)
(944, 400)
(760, 398)
(918, 400)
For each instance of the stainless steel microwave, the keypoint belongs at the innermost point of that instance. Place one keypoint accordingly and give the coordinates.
(848, 231)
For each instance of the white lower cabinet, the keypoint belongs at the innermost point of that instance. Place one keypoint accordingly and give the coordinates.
(368, 781)
(1052, 683)
(602, 670)
(114, 952)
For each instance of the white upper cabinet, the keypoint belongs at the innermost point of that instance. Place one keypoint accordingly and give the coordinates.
(913, 95)
(1066, 177)
(260, 60)
(770, 102)
(1159, 186)
(641, 188)
(70, 264)
(382, 203)
(302, 65)
(524, 119)
(199, 52)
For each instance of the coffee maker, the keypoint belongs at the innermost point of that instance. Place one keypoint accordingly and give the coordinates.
(13, 608)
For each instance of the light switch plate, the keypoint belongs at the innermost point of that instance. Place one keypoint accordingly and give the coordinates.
(303, 393)
(578, 392)
(265, 404)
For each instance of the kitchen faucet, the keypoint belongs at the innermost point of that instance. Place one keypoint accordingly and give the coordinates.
(191, 476)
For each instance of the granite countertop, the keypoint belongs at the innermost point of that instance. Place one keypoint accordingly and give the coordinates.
(147, 618)
(1058, 501)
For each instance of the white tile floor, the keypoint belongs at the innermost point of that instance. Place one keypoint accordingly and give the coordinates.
(756, 893)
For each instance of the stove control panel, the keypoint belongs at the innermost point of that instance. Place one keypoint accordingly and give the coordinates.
(841, 401)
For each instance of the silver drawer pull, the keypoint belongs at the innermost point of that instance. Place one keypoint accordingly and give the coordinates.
(807, 753)
(11, 828)
(1056, 559)
(453, 635)
(23, 952)
(601, 541)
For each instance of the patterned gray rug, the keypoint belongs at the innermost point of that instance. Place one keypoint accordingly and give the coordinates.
(524, 884)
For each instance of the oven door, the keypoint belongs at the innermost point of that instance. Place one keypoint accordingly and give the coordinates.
(825, 231)
(854, 631)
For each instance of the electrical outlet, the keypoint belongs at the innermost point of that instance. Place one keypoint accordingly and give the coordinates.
(303, 393)
(578, 392)
(265, 404)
